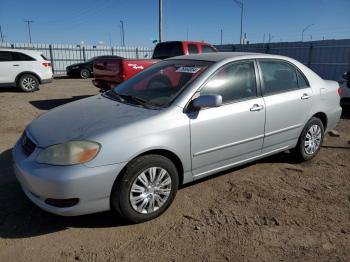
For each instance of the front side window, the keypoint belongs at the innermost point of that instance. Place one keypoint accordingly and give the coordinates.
(234, 82)
(160, 84)
(5, 56)
(192, 49)
(278, 76)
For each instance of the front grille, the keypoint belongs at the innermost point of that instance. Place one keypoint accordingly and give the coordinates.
(28, 145)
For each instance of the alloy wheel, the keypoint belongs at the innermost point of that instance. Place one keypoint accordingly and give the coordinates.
(313, 139)
(150, 190)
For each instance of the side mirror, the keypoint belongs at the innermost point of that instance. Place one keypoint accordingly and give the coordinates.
(207, 101)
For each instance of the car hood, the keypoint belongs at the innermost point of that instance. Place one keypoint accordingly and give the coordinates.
(84, 119)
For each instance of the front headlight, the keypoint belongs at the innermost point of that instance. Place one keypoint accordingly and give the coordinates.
(70, 153)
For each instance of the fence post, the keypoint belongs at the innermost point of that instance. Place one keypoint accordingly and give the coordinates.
(267, 50)
(310, 55)
(112, 50)
(233, 48)
(12, 46)
(51, 59)
(137, 53)
(84, 55)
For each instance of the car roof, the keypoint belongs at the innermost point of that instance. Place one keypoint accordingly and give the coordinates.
(219, 56)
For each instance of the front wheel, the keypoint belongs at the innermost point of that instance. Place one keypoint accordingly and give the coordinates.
(310, 140)
(85, 73)
(146, 189)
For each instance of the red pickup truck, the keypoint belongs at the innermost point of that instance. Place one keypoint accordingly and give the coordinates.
(111, 71)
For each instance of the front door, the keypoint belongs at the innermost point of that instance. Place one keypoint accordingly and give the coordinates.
(233, 132)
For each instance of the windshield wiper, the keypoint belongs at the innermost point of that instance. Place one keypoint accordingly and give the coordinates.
(136, 99)
(113, 95)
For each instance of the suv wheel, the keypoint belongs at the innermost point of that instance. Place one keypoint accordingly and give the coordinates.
(84, 73)
(28, 83)
(146, 189)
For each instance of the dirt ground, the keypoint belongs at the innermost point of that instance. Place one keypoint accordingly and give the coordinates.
(271, 210)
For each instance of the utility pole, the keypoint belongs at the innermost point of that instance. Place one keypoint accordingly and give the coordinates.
(306, 28)
(160, 21)
(110, 39)
(240, 4)
(1, 35)
(221, 37)
(28, 24)
(122, 33)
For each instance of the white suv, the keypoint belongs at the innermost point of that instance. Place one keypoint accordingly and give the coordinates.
(25, 69)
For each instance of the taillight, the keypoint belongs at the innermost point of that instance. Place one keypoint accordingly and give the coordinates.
(339, 90)
(46, 64)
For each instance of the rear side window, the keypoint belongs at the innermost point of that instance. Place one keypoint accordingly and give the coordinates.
(278, 76)
(21, 57)
(192, 49)
(166, 50)
(5, 56)
(234, 82)
(207, 49)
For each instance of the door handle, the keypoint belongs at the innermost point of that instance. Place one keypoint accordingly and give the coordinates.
(15, 65)
(257, 107)
(305, 96)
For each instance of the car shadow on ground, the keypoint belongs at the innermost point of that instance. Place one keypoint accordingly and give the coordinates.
(345, 113)
(20, 218)
(10, 89)
(52, 103)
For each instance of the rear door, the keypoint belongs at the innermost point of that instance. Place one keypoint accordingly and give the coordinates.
(233, 132)
(288, 100)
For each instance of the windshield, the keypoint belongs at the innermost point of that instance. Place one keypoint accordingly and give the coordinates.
(160, 84)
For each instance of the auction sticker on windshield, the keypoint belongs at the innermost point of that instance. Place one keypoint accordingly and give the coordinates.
(187, 69)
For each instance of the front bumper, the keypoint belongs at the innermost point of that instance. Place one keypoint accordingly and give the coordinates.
(91, 185)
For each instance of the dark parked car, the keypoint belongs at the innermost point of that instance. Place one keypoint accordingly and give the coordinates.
(84, 69)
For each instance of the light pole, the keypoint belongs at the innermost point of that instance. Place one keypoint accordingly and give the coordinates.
(306, 28)
(30, 35)
(240, 4)
(1, 35)
(160, 21)
(122, 33)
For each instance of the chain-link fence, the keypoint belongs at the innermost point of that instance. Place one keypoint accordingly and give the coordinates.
(329, 58)
(63, 55)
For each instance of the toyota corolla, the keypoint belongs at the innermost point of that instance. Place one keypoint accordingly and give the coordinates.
(182, 119)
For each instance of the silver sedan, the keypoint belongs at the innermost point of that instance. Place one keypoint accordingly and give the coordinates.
(182, 119)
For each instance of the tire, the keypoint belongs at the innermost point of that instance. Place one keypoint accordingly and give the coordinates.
(133, 200)
(28, 83)
(312, 134)
(84, 73)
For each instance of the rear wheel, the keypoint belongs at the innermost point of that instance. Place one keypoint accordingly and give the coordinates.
(146, 189)
(310, 140)
(28, 83)
(84, 73)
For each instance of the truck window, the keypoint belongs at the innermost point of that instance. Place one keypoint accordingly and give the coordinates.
(192, 49)
(167, 49)
(207, 49)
